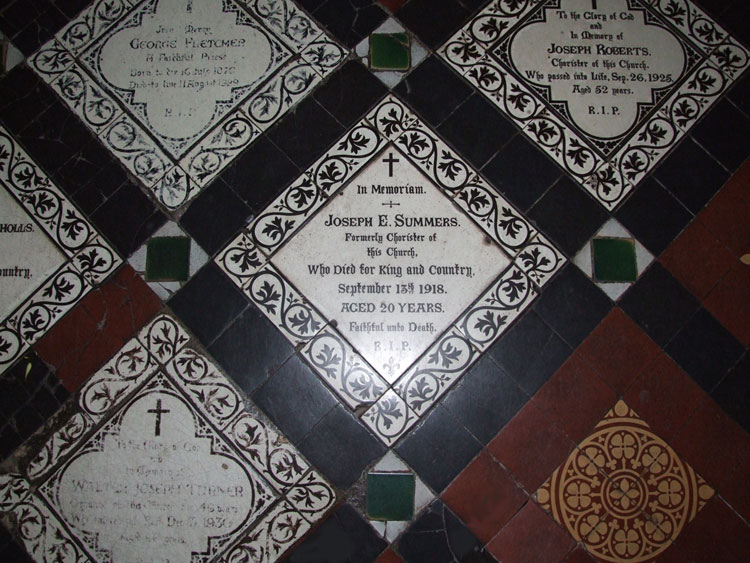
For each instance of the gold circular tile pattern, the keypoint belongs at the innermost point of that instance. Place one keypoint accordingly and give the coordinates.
(624, 492)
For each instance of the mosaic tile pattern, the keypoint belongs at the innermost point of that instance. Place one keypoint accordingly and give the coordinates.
(84, 259)
(145, 400)
(624, 492)
(572, 123)
(251, 261)
(102, 65)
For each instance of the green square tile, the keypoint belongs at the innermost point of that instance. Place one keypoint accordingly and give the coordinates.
(614, 260)
(390, 496)
(168, 259)
(390, 51)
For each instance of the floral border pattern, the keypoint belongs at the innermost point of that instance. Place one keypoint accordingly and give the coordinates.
(174, 181)
(89, 260)
(720, 60)
(161, 358)
(389, 408)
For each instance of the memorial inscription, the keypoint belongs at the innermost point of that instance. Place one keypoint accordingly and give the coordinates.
(603, 60)
(605, 88)
(392, 261)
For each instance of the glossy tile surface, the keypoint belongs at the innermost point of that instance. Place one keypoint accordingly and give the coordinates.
(311, 274)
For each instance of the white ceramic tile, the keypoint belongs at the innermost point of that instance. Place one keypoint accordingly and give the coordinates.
(396, 284)
(143, 467)
(390, 418)
(595, 84)
(181, 72)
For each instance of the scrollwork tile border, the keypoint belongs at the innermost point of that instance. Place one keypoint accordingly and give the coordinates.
(89, 259)
(607, 180)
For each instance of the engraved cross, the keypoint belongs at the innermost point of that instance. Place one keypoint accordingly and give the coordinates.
(158, 411)
(390, 161)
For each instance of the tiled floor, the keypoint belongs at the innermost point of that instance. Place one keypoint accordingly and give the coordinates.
(582, 395)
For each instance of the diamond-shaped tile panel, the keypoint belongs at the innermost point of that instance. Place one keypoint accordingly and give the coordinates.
(624, 492)
(162, 456)
(177, 89)
(606, 89)
(384, 256)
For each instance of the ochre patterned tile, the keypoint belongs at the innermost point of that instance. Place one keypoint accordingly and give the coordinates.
(624, 492)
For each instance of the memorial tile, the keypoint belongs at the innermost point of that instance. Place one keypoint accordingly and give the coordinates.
(50, 255)
(392, 265)
(605, 88)
(176, 88)
(162, 455)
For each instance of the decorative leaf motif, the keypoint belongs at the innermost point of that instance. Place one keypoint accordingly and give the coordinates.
(449, 166)
(446, 355)
(653, 134)
(389, 411)
(543, 130)
(466, 51)
(484, 76)
(488, 325)
(245, 259)
(578, 153)
(390, 123)
(703, 82)
(267, 295)
(675, 11)
(278, 228)
(514, 286)
(476, 199)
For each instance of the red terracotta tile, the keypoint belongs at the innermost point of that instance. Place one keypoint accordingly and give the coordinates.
(716, 534)
(665, 396)
(618, 350)
(389, 556)
(726, 215)
(99, 326)
(531, 536)
(531, 446)
(719, 450)
(484, 496)
(392, 5)
(580, 555)
(576, 397)
(730, 301)
(697, 259)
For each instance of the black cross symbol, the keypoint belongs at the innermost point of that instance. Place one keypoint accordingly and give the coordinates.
(391, 161)
(158, 411)
(390, 204)
(593, 4)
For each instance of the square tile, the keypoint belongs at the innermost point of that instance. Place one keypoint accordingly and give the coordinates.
(96, 486)
(168, 259)
(614, 259)
(147, 66)
(624, 492)
(390, 496)
(550, 72)
(390, 51)
(366, 316)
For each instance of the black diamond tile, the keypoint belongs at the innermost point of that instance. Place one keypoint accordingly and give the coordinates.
(568, 216)
(127, 219)
(433, 22)
(733, 393)
(341, 447)
(521, 172)
(725, 133)
(439, 448)
(10, 439)
(11, 552)
(692, 175)
(208, 303)
(735, 20)
(530, 352)
(431, 103)
(572, 305)
(216, 201)
(104, 184)
(653, 216)
(438, 536)
(251, 349)
(740, 94)
(705, 350)
(260, 173)
(306, 132)
(295, 399)
(485, 400)
(350, 20)
(344, 537)
(350, 92)
(477, 130)
(23, 97)
(659, 304)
